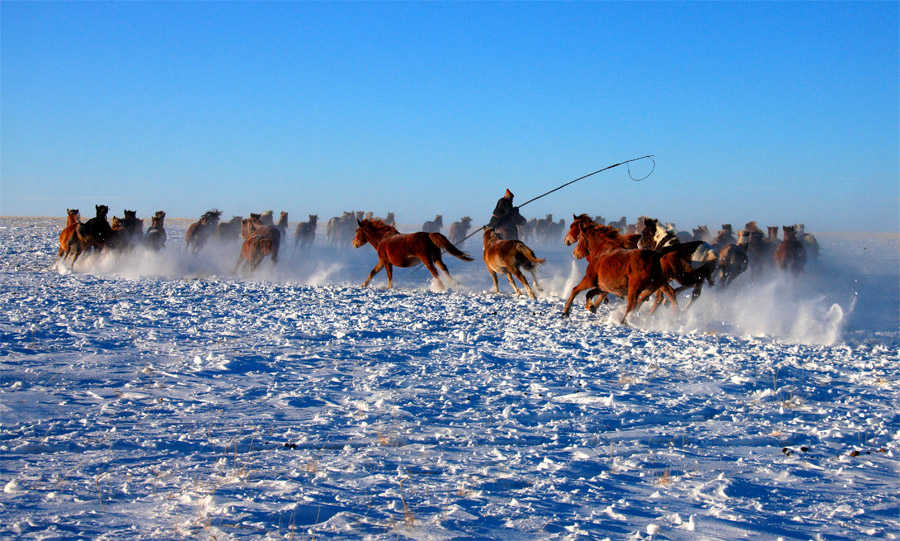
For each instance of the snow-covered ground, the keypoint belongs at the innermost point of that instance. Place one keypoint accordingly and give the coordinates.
(155, 396)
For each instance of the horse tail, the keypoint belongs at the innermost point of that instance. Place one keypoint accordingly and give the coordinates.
(672, 264)
(265, 245)
(529, 254)
(444, 243)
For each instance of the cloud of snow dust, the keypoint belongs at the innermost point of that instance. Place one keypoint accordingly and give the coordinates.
(853, 287)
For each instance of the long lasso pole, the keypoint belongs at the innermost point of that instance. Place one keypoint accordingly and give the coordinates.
(648, 157)
(560, 187)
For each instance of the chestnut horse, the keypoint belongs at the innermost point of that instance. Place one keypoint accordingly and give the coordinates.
(258, 243)
(613, 268)
(402, 250)
(254, 225)
(68, 237)
(508, 256)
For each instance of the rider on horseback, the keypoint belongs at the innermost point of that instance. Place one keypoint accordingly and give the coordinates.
(506, 218)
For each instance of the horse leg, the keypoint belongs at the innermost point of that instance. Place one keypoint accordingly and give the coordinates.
(430, 266)
(670, 293)
(534, 278)
(635, 298)
(695, 295)
(494, 278)
(509, 277)
(585, 283)
(592, 307)
(440, 264)
(378, 267)
(77, 253)
(238, 264)
(518, 273)
(602, 298)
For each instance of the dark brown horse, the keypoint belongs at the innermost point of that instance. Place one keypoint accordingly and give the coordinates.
(688, 263)
(94, 233)
(508, 257)
(434, 226)
(155, 238)
(257, 245)
(753, 241)
(790, 255)
(229, 231)
(68, 237)
(404, 250)
(127, 232)
(200, 231)
(305, 235)
(612, 268)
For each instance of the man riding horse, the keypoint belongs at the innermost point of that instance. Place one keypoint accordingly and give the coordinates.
(506, 219)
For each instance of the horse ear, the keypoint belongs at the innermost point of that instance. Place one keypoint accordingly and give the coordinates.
(358, 222)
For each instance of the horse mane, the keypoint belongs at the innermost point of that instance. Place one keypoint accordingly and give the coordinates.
(378, 225)
(592, 230)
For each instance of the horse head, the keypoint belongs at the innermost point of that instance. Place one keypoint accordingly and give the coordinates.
(72, 216)
(575, 230)
(648, 234)
(359, 238)
(102, 211)
(490, 235)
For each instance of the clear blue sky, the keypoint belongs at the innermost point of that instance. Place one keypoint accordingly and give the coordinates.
(779, 112)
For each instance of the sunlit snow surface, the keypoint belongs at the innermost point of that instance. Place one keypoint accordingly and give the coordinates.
(156, 396)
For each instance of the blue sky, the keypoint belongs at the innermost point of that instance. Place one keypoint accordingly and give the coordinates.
(778, 112)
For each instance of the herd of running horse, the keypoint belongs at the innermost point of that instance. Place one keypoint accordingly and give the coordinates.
(633, 262)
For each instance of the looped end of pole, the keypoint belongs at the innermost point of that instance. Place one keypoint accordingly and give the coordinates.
(628, 164)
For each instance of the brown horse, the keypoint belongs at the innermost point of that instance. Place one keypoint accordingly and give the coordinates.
(282, 224)
(254, 226)
(257, 244)
(459, 230)
(200, 231)
(732, 263)
(612, 268)
(68, 237)
(790, 255)
(155, 238)
(403, 250)
(94, 233)
(508, 256)
(305, 235)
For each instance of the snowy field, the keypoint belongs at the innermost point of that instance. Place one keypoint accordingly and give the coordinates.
(156, 396)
